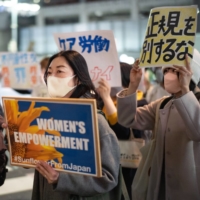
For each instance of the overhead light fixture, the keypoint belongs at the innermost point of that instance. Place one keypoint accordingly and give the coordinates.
(28, 7)
(36, 1)
(22, 8)
(127, 59)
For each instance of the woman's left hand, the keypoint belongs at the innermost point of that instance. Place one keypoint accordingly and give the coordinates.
(185, 75)
(47, 171)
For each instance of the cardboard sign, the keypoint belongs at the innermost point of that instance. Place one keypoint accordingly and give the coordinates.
(62, 132)
(170, 34)
(99, 50)
(19, 70)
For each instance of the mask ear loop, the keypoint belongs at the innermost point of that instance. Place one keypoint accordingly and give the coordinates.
(78, 82)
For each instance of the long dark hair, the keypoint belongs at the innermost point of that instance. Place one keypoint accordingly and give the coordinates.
(125, 73)
(76, 61)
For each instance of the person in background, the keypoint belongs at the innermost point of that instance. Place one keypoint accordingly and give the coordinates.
(108, 96)
(148, 79)
(40, 90)
(156, 90)
(67, 76)
(175, 169)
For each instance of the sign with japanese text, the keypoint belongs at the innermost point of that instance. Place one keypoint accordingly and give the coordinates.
(170, 35)
(19, 70)
(62, 132)
(99, 50)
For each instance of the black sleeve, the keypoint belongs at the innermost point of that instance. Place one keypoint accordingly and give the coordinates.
(3, 157)
(121, 132)
(1, 111)
(1, 114)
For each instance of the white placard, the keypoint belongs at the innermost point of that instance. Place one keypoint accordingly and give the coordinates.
(99, 50)
(19, 70)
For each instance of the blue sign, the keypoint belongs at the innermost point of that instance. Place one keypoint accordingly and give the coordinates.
(63, 133)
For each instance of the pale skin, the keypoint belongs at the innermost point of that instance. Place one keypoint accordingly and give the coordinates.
(185, 75)
(104, 92)
(58, 68)
(61, 69)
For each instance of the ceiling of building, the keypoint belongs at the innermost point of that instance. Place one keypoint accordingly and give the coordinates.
(55, 2)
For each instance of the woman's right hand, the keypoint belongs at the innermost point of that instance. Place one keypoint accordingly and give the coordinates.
(135, 78)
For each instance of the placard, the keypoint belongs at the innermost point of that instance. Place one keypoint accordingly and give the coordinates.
(170, 34)
(99, 50)
(62, 132)
(19, 70)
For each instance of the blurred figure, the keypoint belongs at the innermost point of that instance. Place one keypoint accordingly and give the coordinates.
(108, 96)
(41, 89)
(148, 80)
(156, 89)
(7, 91)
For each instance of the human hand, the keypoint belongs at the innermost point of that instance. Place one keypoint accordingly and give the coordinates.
(48, 172)
(3, 122)
(103, 89)
(135, 77)
(185, 75)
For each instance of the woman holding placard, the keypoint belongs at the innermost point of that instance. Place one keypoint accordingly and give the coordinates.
(174, 171)
(124, 134)
(67, 76)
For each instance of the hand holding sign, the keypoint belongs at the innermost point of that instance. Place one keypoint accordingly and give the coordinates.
(135, 78)
(185, 75)
(48, 172)
(3, 122)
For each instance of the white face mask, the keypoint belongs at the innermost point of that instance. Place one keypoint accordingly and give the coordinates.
(58, 87)
(171, 83)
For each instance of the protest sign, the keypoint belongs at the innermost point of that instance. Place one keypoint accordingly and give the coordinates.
(170, 34)
(19, 70)
(99, 50)
(62, 132)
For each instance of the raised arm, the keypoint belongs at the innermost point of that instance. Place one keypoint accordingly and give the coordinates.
(141, 118)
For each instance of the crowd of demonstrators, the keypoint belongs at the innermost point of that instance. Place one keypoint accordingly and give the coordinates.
(175, 169)
(109, 100)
